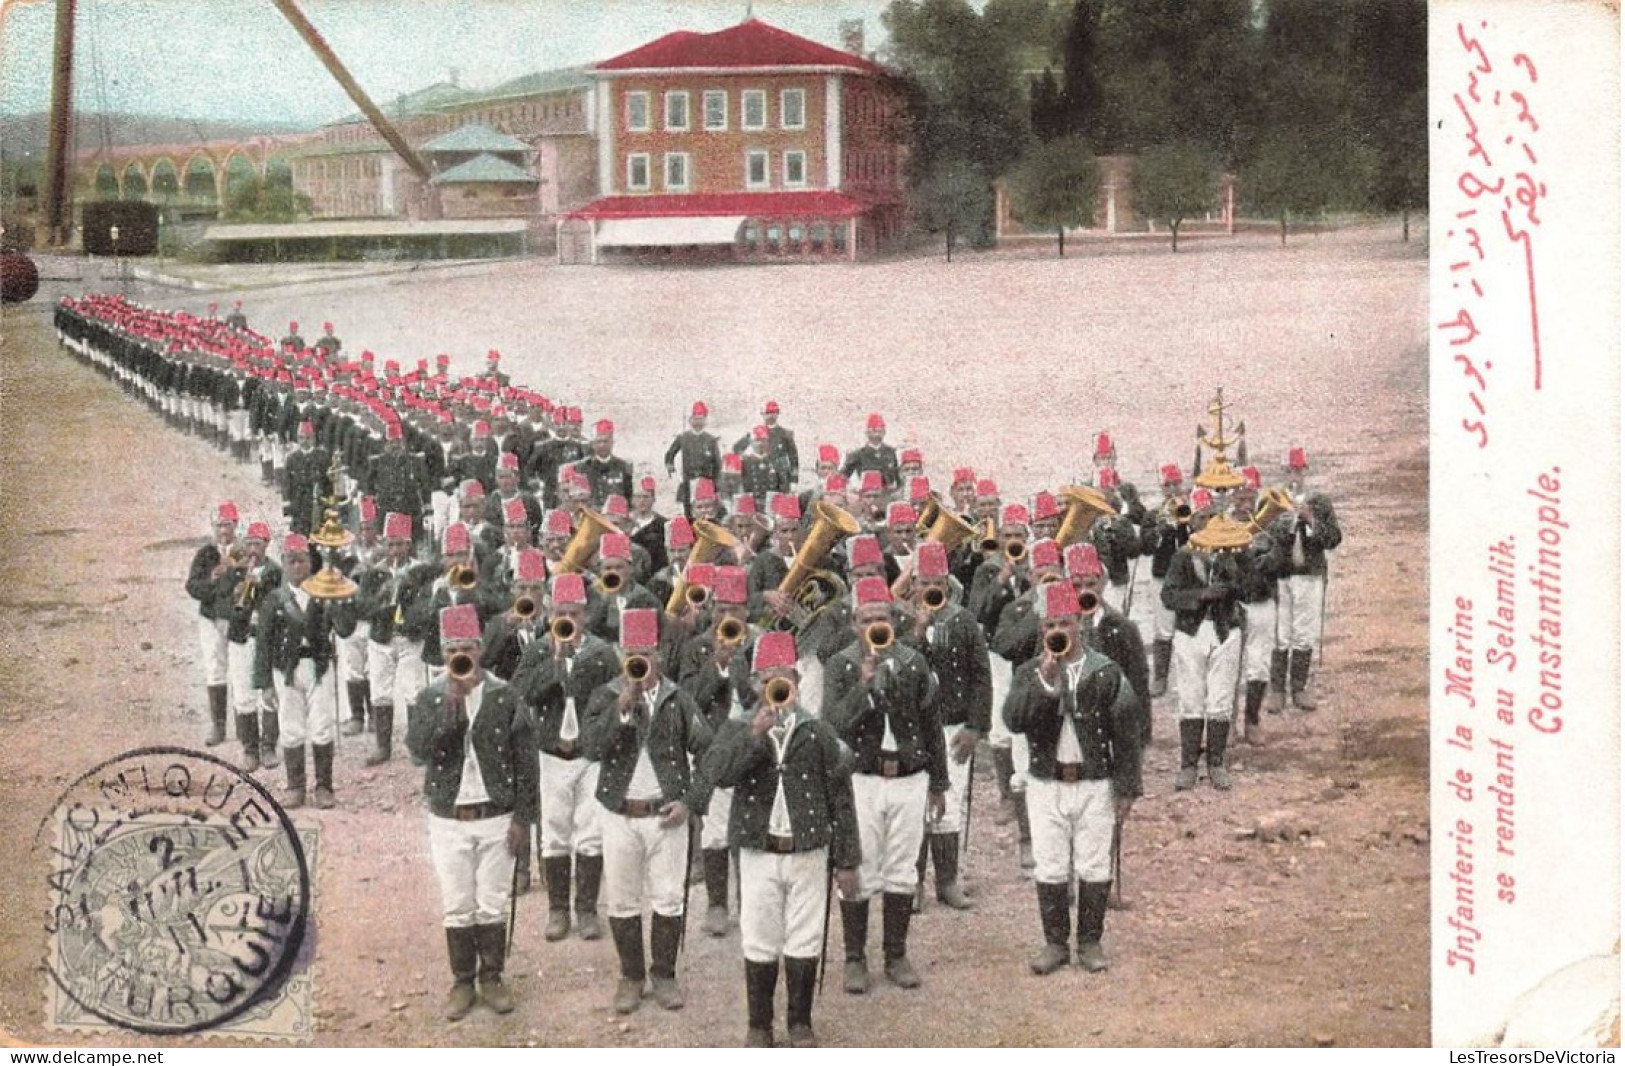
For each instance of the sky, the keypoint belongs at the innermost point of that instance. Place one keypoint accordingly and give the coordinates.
(240, 60)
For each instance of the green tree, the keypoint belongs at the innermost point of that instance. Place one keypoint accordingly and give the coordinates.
(1388, 48)
(954, 200)
(1173, 182)
(1305, 172)
(1056, 185)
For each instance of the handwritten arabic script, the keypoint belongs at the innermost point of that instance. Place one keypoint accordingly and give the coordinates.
(1495, 210)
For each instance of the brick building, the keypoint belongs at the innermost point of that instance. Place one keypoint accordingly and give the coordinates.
(751, 141)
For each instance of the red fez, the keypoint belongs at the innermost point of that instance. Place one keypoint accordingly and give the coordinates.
(369, 508)
(442, 359)
(393, 431)
(498, 411)
(1297, 459)
(679, 534)
(745, 504)
(507, 461)
(455, 540)
(1082, 560)
(1252, 477)
(1109, 478)
(573, 415)
(615, 506)
(901, 514)
(918, 488)
(307, 429)
(471, 488)
(964, 475)
(988, 487)
(327, 327)
(459, 623)
(532, 565)
(513, 512)
(482, 428)
(259, 531)
(640, 628)
(871, 482)
(931, 560)
(732, 464)
(1044, 553)
(771, 407)
(728, 585)
(647, 486)
(556, 524)
(774, 651)
(615, 546)
(493, 356)
(835, 483)
(785, 507)
(700, 410)
(704, 489)
(1171, 474)
(226, 512)
(1103, 446)
(865, 551)
(700, 575)
(1201, 500)
(1044, 506)
(293, 327)
(1058, 599)
(569, 588)
(758, 433)
(294, 544)
(871, 590)
(911, 455)
(828, 453)
(397, 526)
(875, 421)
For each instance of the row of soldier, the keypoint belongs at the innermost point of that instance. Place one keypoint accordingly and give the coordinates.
(968, 621)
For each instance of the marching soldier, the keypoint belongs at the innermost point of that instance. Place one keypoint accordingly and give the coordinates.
(473, 735)
(553, 455)
(1106, 630)
(399, 480)
(763, 470)
(479, 463)
(1116, 537)
(607, 473)
(1161, 539)
(648, 525)
(327, 343)
(293, 341)
(874, 454)
(644, 729)
(517, 611)
(1267, 562)
(1308, 534)
(617, 593)
(699, 452)
(257, 728)
(307, 467)
(793, 820)
(1077, 712)
(386, 599)
(367, 552)
(211, 582)
(237, 320)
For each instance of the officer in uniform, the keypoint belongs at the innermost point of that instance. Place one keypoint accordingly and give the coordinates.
(1308, 534)
(699, 453)
(881, 698)
(399, 480)
(874, 454)
(307, 467)
(607, 473)
(211, 581)
(763, 470)
(1161, 539)
(257, 728)
(793, 821)
(1077, 713)
(328, 344)
(388, 592)
(475, 738)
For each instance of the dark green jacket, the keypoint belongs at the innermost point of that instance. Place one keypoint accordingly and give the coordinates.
(503, 746)
(817, 788)
(903, 691)
(674, 733)
(543, 686)
(1101, 713)
(957, 652)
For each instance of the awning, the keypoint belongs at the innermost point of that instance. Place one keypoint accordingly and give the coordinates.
(668, 232)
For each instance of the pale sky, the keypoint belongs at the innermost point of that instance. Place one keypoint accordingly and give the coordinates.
(240, 60)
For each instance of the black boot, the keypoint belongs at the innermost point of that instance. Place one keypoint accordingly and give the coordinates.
(1190, 753)
(462, 948)
(897, 908)
(293, 764)
(1218, 738)
(356, 724)
(1255, 702)
(1162, 656)
(855, 934)
(556, 871)
(521, 864)
(493, 942)
(217, 716)
(628, 936)
(248, 735)
(1004, 767)
(589, 875)
(266, 472)
(383, 726)
(919, 874)
(1279, 661)
(665, 936)
(1055, 915)
(322, 756)
(716, 892)
(1024, 826)
(1092, 897)
(945, 856)
(1302, 698)
(761, 983)
(800, 979)
(270, 739)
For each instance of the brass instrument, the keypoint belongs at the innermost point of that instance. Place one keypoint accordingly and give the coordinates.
(563, 629)
(611, 582)
(584, 543)
(1273, 502)
(1049, 578)
(811, 587)
(696, 595)
(526, 607)
(462, 578)
(1083, 505)
(934, 598)
(778, 692)
(730, 632)
(878, 637)
(1088, 602)
(636, 668)
(1058, 644)
(945, 527)
(709, 541)
(247, 589)
(236, 556)
(461, 666)
(1015, 551)
(989, 535)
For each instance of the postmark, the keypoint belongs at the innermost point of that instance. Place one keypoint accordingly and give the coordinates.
(180, 894)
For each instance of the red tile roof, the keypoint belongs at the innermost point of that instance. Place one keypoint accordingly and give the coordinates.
(752, 43)
(814, 203)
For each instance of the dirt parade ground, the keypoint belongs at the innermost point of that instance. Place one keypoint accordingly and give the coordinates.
(1291, 910)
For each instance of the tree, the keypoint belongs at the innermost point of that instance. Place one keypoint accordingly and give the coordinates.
(1388, 49)
(1173, 182)
(1056, 185)
(1304, 172)
(952, 200)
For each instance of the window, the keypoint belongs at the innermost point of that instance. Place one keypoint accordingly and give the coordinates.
(637, 111)
(637, 171)
(677, 110)
(676, 171)
(716, 109)
(795, 169)
(756, 170)
(753, 109)
(793, 109)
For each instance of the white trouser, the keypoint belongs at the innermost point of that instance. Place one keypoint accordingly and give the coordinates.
(1258, 641)
(1205, 672)
(781, 904)
(353, 653)
(571, 814)
(474, 868)
(395, 671)
(279, 452)
(1302, 596)
(714, 828)
(237, 424)
(643, 863)
(1000, 672)
(211, 645)
(891, 826)
(1162, 618)
(267, 450)
(305, 709)
(1072, 830)
(240, 694)
(958, 777)
(810, 692)
(440, 504)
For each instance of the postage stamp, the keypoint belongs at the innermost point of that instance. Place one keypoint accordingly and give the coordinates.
(180, 901)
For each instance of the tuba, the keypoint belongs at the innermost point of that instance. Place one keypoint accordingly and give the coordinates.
(831, 525)
(1273, 502)
(710, 540)
(584, 544)
(940, 524)
(1083, 505)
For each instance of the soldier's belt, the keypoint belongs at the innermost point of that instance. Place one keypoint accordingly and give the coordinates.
(1068, 772)
(475, 812)
(640, 808)
(565, 749)
(780, 845)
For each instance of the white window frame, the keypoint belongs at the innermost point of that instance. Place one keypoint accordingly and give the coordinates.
(637, 94)
(767, 169)
(671, 97)
(705, 109)
(632, 184)
(795, 153)
(665, 172)
(745, 97)
(784, 111)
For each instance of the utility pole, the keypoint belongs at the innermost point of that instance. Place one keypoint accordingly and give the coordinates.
(58, 210)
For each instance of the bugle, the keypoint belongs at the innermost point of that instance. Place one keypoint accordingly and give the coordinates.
(584, 542)
(563, 629)
(778, 691)
(462, 577)
(637, 668)
(989, 535)
(526, 607)
(1015, 551)
(730, 632)
(461, 665)
(1273, 502)
(934, 598)
(611, 582)
(878, 637)
(696, 595)
(1088, 602)
(1058, 644)
(1083, 506)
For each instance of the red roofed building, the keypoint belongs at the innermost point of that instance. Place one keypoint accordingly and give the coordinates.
(751, 141)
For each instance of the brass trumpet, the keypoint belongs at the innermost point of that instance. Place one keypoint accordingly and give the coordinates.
(989, 541)
(1015, 551)
(1088, 602)
(1058, 644)
(611, 582)
(526, 607)
(563, 629)
(730, 632)
(696, 595)
(878, 637)
(236, 556)
(461, 666)
(637, 668)
(934, 598)
(778, 692)
(462, 577)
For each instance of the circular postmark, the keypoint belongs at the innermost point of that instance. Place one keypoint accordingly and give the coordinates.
(179, 892)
